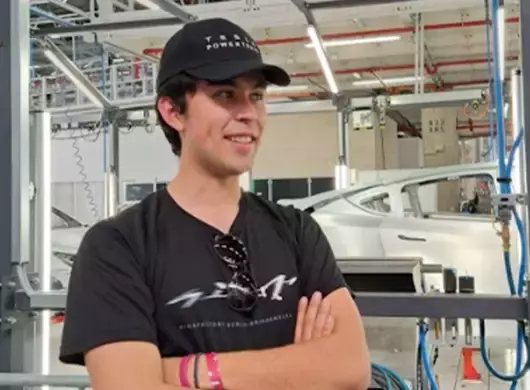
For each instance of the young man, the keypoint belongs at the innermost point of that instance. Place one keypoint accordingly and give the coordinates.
(202, 285)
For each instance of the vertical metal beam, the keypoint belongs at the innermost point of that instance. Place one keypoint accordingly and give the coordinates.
(14, 167)
(41, 135)
(525, 93)
(112, 171)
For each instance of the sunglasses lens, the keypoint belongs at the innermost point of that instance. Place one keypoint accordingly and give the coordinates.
(242, 293)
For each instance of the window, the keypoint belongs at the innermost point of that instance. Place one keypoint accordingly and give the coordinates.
(61, 220)
(380, 203)
(136, 192)
(470, 194)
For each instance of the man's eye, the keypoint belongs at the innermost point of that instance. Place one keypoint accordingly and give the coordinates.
(257, 96)
(224, 94)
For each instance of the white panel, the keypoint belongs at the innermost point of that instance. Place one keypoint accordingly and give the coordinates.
(71, 157)
(365, 149)
(390, 145)
(143, 156)
(147, 156)
(410, 152)
(298, 146)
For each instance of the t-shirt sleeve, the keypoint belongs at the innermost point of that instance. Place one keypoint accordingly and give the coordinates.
(108, 299)
(319, 268)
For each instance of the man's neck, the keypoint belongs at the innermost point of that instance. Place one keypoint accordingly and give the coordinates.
(193, 187)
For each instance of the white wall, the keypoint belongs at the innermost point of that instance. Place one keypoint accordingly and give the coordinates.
(298, 146)
(293, 146)
(410, 153)
(143, 156)
(375, 148)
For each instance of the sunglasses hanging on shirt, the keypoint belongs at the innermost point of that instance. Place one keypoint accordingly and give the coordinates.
(242, 290)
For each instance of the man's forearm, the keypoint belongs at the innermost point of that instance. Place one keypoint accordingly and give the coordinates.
(325, 364)
(321, 364)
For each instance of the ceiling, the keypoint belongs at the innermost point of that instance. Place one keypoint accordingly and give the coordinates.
(365, 44)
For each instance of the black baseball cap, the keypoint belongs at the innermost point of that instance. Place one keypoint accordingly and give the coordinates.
(215, 50)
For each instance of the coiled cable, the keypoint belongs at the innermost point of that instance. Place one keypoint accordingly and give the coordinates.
(84, 177)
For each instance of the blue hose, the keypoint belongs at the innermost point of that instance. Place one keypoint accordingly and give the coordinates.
(390, 375)
(425, 357)
(522, 266)
(505, 171)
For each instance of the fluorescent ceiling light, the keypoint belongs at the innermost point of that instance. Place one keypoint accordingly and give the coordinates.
(321, 54)
(148, 4)
(359, 41)
(390, 81)
(59, 65)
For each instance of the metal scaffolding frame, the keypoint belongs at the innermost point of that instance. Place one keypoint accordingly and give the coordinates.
(22, 300)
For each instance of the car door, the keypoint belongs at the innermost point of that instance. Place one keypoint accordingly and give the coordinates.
(467, 242)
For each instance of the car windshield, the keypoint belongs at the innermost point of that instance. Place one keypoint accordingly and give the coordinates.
(61, 220)
(342, 195)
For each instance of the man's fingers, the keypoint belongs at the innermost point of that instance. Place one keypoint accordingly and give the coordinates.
(323, 314)
(329, 326)
(300, 319)
(310, 316)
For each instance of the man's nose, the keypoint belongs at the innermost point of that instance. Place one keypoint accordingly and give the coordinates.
(246, 110)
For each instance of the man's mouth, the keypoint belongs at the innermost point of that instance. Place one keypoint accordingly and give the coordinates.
(241, 139)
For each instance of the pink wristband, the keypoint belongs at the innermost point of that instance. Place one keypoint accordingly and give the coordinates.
(213, 371)
(183, 371)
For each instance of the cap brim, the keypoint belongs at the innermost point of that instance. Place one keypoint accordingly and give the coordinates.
(228, 70)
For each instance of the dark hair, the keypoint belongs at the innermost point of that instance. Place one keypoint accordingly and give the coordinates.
(176, 90)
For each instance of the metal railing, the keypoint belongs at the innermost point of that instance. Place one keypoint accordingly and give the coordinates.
(80, 382)
(119, 82)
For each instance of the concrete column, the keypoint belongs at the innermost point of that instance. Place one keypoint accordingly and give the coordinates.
(440, 148)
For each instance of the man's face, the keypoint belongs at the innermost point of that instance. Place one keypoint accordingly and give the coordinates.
(223, 125)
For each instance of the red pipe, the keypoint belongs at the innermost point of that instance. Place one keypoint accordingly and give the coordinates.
(136, 68)
(358, 34)
(436, 66)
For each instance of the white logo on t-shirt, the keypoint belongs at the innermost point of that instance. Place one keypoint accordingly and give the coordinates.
(273, 290)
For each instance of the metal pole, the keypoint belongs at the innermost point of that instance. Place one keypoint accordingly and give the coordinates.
(41, 140)
(112, 172)
(342, 170)
(14, 163)
(524, 104)
(73, 381)
(422, 54)
(517, 126)
(417, 54)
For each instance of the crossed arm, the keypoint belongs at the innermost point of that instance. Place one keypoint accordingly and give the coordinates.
(336, 361)
(109, 301)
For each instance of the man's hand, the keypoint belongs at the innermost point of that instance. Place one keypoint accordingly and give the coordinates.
(314, 319)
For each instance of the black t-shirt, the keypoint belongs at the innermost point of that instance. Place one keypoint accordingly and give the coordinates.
(151, 274)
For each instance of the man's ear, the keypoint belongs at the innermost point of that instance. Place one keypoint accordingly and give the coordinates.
(170, 114)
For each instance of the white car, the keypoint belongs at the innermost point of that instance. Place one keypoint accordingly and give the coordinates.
(66, 236)
(442, 215)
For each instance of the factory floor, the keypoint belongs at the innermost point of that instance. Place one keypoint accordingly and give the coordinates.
(393, 345)
(449, 368)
